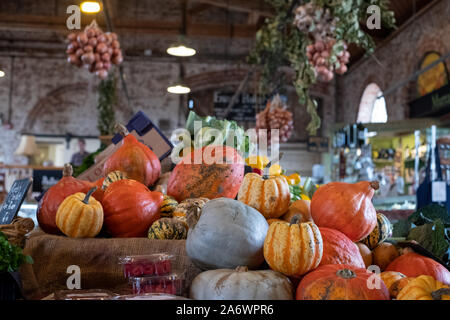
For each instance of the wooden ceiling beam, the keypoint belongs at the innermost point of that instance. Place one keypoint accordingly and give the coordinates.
(256, 6)
(51, 23)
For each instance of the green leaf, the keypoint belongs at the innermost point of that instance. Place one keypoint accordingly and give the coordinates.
(430, 213)
(401, 229)
(432, 237)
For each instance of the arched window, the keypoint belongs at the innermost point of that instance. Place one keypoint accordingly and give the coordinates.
(372, 108)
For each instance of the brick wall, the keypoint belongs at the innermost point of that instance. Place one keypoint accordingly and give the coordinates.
(395, 61)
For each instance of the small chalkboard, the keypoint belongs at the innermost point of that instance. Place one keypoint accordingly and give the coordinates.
(14, 200)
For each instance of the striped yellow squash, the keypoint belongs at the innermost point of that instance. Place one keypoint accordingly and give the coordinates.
(293, 248)
(380, 233)
(167, 229)
(168, 206)
(113, 177)
(269, 195)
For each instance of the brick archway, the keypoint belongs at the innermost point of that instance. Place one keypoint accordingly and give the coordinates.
(67, 109)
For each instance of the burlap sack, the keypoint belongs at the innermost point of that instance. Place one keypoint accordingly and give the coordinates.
(97, 259)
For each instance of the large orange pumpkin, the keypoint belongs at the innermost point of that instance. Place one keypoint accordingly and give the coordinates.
(130, 208)
(338, 249)
(293, 248)
(346, 207)
(219, 174)
(413, 265)
(134, 159)
(340, 282)
(270, 195)
(48, 205)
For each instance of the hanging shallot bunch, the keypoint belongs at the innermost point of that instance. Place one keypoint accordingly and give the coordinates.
(275, 116)
(94, 49)
(325, 54)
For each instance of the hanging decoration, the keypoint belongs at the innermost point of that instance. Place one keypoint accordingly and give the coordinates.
(275, 116)
(107, 100)
(312, 37)
(94, 49)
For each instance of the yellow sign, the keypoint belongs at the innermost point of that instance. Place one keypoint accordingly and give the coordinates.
(434, 78)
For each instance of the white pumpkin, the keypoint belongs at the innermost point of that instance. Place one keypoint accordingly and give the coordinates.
(241, 284)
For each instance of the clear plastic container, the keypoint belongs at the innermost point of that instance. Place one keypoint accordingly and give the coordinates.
(150, 296)
(169, 284)
(147, 265)
(93, 294)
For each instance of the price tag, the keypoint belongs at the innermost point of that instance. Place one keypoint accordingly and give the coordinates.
(439, 191)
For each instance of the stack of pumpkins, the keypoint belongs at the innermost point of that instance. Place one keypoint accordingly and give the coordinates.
(122, 205)
(260, 246)
(319, 246)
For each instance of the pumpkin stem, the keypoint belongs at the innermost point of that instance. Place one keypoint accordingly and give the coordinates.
(437, 295)
(88, 195)
(295, 219)
(375, 185)
(241, 269)
(68, 170)
(120, 128)
(346, 274)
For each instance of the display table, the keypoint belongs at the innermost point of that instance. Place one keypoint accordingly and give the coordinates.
(97, 259)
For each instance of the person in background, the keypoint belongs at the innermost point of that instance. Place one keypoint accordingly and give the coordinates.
(77, 158)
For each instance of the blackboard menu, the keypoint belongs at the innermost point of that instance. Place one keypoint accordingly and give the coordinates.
(14, 200)
(243, 109)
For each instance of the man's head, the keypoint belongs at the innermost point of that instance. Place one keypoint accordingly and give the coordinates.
(82, 145)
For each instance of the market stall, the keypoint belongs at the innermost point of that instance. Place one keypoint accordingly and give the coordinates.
(210, 178)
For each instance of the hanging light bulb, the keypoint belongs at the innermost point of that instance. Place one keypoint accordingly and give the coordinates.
(179, 89)
(2, 73)
(181, 50)
(90, 7)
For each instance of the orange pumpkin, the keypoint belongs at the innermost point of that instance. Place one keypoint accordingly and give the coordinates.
(424, 288)
(130, 208)
(398, 286)
(366, 254)
(301, 207)
(346, 207)
(414, 265)
(293, 248)
(219, 174)
(134, 159)
(338, 249)
(391, 277)
(80, 215)
(55, 195)
(340, 282)
(270, 196)
(99, 192)
(384, 254)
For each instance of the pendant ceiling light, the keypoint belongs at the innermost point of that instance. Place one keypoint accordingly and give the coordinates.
(179, 87)
(2, 73)
(181, 49)
(90, 7)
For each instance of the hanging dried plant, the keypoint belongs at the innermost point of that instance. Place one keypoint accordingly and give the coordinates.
(284, 38)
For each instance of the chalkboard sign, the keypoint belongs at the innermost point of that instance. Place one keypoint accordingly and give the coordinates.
(14, 200)
(243, 109)
(317, 144)
(44, 179)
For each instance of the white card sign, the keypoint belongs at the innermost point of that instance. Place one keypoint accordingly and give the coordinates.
(439, 191)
